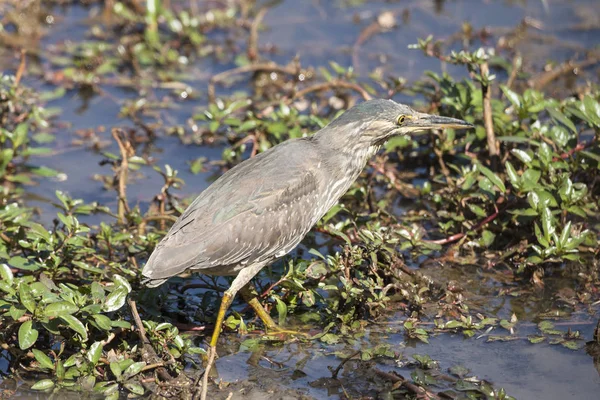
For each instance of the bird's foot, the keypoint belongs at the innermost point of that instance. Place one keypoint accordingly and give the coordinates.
(276, 330)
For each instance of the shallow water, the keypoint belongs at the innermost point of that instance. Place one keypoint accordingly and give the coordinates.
(319, 32)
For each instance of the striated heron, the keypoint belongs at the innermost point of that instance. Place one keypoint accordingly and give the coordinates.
(262, 208)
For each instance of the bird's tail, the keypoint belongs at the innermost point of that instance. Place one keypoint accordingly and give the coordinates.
(151, 283)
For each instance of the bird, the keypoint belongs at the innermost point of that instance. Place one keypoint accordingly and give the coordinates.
(261, 209)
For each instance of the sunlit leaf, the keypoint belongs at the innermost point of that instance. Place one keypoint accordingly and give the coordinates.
(44, 384)
(76, 325)
(43, 359)
(27, 335)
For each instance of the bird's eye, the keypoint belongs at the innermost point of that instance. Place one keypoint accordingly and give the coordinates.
(401, 119)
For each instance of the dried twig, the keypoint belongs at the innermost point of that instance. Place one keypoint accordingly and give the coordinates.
(253, 37)
(152, 366)
(211, 360)
(138, 322)
(405, 189)
(384, 22)
(516, 66)
(6, 239)
(148, 353)
(293, 69)
(335, 372)
(400, 381)
(479, 225)
(123, 207)
(487, 115)
(271, 286)
(440, 156)
(538, 82)
(21, 69)
(579, 147)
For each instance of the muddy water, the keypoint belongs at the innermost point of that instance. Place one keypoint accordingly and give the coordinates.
(320, 31)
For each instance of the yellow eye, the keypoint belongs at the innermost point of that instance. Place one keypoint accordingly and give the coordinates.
(401, 119)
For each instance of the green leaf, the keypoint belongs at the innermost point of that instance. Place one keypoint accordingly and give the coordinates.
(120, 281)
(545, 153)
(248, 125)
(135, 388)
(538, 234)
(19, 135)
(572, 345)
(120, 324)
(477, 210)
(133, 370)
(548, 328)
(512, 175)
(60, 308)
(16, 313)
(453, 324)
(577, 211)
(522, 155)
(282, 310)
(115, 368)
(492, 177)
(592, 110)
(6, 274)
(116, 299)
(536, 339)
(511, 96)
(547, 223)
(27, 335)
(75, 325)
(43, 359)
(162, 326)
(560, 117)
(487, 238)
(178, 342)
(26, 297)
(565, 234)
(107, 389)
(44, 171)
(95, 352)
(64, 199)
(103, 321)
(589, 154)
(566, 189)
(530, 179)
(44, 384)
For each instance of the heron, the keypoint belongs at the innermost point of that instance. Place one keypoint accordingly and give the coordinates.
(262, 208)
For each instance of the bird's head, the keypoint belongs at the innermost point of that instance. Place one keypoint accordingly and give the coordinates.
(373, 122)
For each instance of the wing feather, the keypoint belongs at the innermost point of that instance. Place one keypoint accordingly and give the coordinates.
(248, 215)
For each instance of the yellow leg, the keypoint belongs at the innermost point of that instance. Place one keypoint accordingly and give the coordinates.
(251, 297)
(212, 351)
(239, 282)
(225, 303)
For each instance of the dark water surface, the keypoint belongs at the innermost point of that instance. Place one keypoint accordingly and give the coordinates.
(320, 31)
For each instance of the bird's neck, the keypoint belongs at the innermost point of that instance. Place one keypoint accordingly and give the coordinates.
(346, 154)
(343, 166)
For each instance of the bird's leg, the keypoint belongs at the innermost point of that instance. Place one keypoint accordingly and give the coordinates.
(226, 301)
(240, 281)
(250, 296)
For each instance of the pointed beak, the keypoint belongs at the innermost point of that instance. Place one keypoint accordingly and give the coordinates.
(423, 121)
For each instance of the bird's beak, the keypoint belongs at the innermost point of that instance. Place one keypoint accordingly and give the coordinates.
(421, 121)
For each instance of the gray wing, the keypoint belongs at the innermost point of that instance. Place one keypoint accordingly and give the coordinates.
(257, 211)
